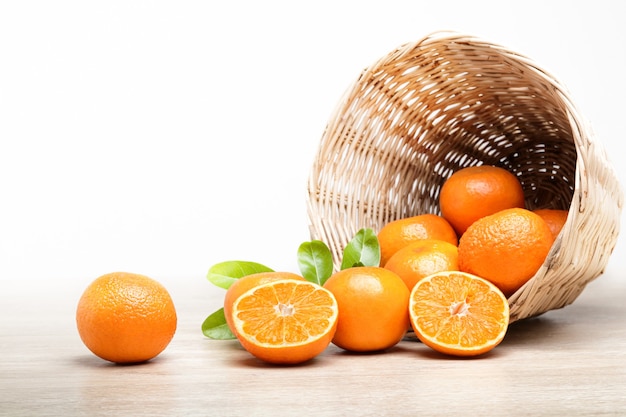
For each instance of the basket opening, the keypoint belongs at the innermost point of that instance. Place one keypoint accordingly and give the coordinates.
(413, 121)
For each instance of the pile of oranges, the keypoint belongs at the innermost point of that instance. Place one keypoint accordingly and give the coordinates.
(498, 238)
(446, 277)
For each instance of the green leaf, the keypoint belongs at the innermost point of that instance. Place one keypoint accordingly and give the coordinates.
(362, 250)
(215, 326)
(315, 261)
(225, 273)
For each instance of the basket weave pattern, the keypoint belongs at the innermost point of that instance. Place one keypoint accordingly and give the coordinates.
(449, 101)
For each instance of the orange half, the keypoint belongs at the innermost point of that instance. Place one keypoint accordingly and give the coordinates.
(459, 314)
(285, 321)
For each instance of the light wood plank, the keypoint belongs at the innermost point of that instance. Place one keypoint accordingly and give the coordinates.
(566, 362)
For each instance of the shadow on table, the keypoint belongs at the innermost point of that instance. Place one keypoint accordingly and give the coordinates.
(530, 331)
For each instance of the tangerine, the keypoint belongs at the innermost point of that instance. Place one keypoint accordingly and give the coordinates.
(126, 318)
(459, 314)
(506, 248)
(286, 321)
(555, 218)
(478, 191)
(399, 233)
(373, 308)
(422, 258)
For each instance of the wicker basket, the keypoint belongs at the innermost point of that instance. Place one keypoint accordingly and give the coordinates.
(449, 101)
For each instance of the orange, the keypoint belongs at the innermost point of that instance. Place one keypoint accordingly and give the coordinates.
(126, 318)
(458, 313)
(422, 258)
(247, 282)
(285, 321)
(478, 191)
(373, 308)
(555, 219)
(506, 248)
(399, 233)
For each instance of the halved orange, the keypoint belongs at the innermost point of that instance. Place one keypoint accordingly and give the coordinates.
(459, 314)
(286, 321)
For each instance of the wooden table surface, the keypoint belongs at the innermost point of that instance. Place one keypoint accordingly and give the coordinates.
(567, 362)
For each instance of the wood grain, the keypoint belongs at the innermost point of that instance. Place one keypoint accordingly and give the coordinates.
(565, 362)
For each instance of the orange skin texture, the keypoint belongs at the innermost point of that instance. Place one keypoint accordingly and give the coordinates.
(506, 248)
(478, 191)
(399, 233)
(292, 354)
(126, 318)
(422, 258)
(246, 283)
(373, 308)
(554, 218)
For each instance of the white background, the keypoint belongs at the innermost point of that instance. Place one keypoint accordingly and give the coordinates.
(163, 137)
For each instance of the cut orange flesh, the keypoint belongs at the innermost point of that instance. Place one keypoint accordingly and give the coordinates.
(285, 321)
(458, 313)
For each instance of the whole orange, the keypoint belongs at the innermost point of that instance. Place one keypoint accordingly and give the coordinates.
(506, 248)
(478, 191)
(246, 283)
(555, 218)
(399, 233)
(126, 318)
(423, 258)
(373, 308)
